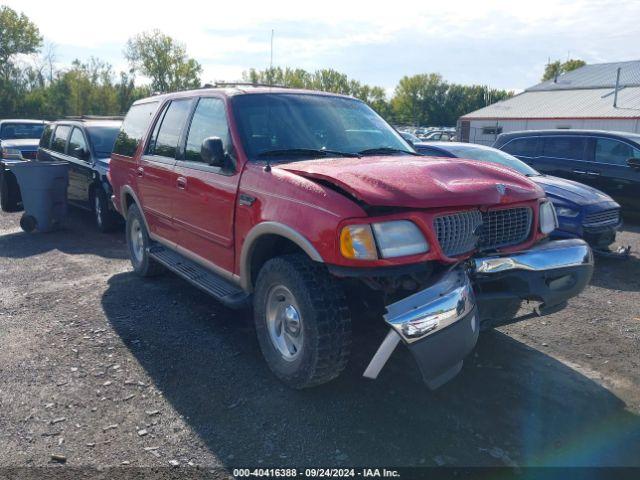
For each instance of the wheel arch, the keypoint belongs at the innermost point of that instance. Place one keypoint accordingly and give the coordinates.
(127, 198)
(266, 240)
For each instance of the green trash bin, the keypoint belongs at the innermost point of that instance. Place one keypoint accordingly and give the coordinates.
(43, 186)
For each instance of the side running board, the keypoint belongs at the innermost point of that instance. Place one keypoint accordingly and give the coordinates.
(218, 287)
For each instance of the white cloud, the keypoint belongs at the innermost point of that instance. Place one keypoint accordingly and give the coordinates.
(463, 39)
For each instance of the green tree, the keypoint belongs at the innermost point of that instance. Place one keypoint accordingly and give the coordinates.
(17, 35)
(164, 61)
(326, 80)
(557, 68)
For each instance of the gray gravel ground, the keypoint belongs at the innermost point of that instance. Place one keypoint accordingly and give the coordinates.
(107, 369)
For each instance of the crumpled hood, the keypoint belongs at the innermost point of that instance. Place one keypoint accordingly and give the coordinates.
(571, 191)
(419, 182)
(22, 144)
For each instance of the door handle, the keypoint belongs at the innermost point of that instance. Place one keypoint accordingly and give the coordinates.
(580, 172)
(595, 174)
(140, 172)
(181, 183)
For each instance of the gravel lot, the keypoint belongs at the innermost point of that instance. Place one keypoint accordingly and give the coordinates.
(107, 369)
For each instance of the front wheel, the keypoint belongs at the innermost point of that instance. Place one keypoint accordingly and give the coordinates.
(302, 321)
(106, 219)
(9, 193)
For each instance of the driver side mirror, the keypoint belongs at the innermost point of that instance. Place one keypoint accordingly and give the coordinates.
(212, 152)
(80, 153)
(634, 163)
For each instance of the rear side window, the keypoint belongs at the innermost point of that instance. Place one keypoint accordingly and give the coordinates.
(60, 138)
(571, 148)
(522, 147)
(614, 152)
(133, 128)
(209, 120)
(165, 143)
(45, 140)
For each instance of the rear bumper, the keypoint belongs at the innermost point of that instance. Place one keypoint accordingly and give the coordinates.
(440, 324)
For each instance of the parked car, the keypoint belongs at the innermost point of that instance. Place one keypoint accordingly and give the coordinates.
(438, 136)
(86, 144)
(411, 138)
(18, 141)
(304, 204)
(608, 161)
(583, 211)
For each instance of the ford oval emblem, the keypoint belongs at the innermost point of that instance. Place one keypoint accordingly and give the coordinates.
(501, 188)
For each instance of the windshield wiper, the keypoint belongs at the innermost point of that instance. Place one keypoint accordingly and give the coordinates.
(301, 152)
(385, 151)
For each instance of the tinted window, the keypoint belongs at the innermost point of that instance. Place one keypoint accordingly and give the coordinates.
(18, 131)
(133, 128)
(209, 120)
(102, 139)
(524, 147)
(564, 147)
(166, 142)
(269, 122)
(45, 140)
(60, 138)
(77, 142)
(614, 152)
(432, 152)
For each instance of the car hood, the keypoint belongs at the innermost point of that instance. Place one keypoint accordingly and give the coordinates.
(31, 143)
(419, 182)
(570, 191)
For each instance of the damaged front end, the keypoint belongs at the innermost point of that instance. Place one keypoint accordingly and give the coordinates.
(440, 324)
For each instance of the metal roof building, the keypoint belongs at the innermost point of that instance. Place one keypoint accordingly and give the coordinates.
(584, 98)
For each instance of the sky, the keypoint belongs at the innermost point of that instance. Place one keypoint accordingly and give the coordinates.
(503, 44)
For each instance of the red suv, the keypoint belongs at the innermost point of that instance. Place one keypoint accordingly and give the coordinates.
(303, 204)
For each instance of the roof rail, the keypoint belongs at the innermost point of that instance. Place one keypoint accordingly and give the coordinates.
(242, 84)
(94, 117)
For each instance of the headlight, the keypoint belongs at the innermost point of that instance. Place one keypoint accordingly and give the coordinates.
(12, 153)
(567, 212)
(548, 219)
(392, 239)
(356, 242)
(399, 239)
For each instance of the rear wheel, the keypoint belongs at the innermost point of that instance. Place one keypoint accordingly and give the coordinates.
(106, 219)
(302, 321)
(138, 242)
(9, 193)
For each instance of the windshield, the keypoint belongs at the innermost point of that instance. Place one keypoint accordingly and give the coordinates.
(410, 137)
(494, 156)
(102, 139)
(20, 131)
(295, 125)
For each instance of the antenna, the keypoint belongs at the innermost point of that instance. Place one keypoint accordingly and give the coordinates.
(267, 167)
(271, 59)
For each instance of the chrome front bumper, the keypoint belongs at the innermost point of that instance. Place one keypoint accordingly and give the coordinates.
(440, 324)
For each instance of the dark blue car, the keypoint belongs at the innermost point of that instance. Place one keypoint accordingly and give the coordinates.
(582, 211)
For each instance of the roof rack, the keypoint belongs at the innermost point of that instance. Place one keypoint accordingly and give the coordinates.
(94, 117)
(242, 84)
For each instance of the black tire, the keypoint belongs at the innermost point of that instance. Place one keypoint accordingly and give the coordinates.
(326, 323)
(143, 264)
(106, 219)
(501, 312)
(9, 193)
(28, 223)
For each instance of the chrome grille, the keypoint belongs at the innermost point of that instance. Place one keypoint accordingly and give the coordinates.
(505, 227)
(455, 232)
(500, 228)
(608, 217)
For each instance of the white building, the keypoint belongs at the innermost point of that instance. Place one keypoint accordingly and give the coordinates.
(585, 98)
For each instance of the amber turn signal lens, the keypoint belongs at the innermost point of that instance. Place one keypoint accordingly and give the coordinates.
(356, 242)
